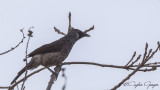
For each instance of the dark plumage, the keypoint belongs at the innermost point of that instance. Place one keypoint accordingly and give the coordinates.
(53, 53)
(55, 46)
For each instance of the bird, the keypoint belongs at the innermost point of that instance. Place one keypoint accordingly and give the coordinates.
(54, 53)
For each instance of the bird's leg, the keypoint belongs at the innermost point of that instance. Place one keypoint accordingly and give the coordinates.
(58, 68)
(52, 71)
(59, 65)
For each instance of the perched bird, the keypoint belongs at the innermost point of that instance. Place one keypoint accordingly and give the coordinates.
(54, 53)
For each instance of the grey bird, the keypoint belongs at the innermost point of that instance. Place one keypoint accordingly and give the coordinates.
(54, 53)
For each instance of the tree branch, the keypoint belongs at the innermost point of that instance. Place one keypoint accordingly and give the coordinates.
(144, 60)
(54, 76)
(21, 80)
(131, 58)
(69, 27)
(65, 78)
(58, 31)
(95, 64)
(16, 45)
(69, 17)
(26, 53)
(91, 28)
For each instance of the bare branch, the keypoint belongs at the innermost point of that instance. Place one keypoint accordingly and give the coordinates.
(89, 63)
(54, 76)
(16, 45)
(128, 77)
(65, 77)
(131, 58)
(145, 53)
(58, 31)
(26, 53)
(144, 60)
(149, 54)
(153, 64)
(158, 45)
(111, 66)
(89, 29)
(69, 17)
(3, 87)
(149, 57)
(11, 87)
(135, 61)
(69, 26)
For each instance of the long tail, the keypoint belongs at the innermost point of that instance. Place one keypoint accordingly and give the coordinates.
(19, 74)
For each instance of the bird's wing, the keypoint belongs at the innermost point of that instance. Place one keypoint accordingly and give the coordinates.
(55, 46)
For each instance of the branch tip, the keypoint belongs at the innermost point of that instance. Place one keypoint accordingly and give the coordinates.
(58, 31)
(91, 28)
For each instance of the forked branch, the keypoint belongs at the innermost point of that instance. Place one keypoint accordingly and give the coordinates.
(69, 27)
(145, 59)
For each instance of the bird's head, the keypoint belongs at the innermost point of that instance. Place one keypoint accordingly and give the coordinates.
(78, 33)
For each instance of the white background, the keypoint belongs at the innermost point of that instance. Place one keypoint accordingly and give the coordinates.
(121, 27)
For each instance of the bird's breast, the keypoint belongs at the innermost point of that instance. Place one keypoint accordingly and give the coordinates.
(50, 59)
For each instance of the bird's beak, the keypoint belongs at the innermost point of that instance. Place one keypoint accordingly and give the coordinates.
(86, 35)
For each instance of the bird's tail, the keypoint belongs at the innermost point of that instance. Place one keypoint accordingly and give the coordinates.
(19, 74)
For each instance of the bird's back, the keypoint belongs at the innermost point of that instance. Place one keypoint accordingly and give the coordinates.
(55, 46)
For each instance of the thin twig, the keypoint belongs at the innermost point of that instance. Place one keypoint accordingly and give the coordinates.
(65, 78)
(149, 54)
(69, 27)
(15, 84)
(131, 58)
(158, 45)
(128, 77)
(69, 17)
(16, 45)
(145, 53)
(135, 61)
(58, 31)
(89, 29)
(155, 63)
(26, 53)
(153, 53)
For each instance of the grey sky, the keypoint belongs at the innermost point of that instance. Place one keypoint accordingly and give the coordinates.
(121, 27)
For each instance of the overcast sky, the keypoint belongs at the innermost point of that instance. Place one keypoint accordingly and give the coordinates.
(121, 27)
